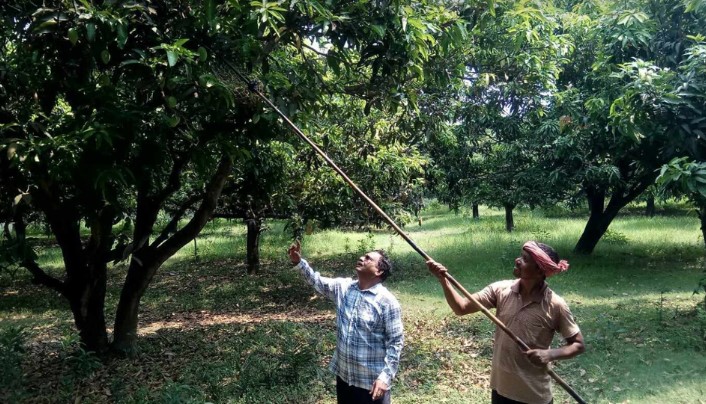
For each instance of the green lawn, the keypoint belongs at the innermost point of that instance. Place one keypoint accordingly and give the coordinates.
(210, 333)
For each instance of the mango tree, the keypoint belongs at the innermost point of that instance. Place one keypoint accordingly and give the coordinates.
(510, 69)
(363, 117)
(108, 109)
(605, 142)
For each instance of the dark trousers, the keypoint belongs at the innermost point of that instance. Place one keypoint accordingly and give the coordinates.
(498, 399)
(347, 394)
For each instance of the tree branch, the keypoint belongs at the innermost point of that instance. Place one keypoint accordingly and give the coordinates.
(174, 181)
(313, 69)
(148, 206)
(202, 214)
(42, 278)
(316, 50)
(171, 227)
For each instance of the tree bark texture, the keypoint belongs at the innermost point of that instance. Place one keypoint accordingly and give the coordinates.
(600, 218)
(509, 219)
(86, 297)
(650, 208)
(702, 218)
(254, 225)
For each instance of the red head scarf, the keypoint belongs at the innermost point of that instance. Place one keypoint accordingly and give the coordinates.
(544, 262)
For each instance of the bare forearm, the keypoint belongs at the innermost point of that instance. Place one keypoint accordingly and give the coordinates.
(574, 346)
(567, 351)
(459, 304)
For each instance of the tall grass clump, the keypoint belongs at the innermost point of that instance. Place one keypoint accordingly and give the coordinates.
(12, 349)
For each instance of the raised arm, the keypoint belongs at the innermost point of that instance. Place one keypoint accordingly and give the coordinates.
(329, 287)
(459, 304)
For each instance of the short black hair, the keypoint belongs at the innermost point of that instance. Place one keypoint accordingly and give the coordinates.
(550, 252)
(384, 264)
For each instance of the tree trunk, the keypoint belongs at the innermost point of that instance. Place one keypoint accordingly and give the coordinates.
(509, 220)
(86, 270)
(139, 276)
(650, 208)
(598, 221)
(254, 225)
(148, 258)
(86, 297)
(702, 218)
(476, 215)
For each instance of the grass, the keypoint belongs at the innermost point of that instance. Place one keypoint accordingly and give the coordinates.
(210, 333)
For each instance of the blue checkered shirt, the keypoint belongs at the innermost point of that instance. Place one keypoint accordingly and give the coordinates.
(369, 329)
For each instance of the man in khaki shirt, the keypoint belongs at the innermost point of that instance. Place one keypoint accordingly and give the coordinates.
(531, 311)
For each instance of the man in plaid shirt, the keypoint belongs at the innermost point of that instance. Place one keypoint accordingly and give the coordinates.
(369, 327)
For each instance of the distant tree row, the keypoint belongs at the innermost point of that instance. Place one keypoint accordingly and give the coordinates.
(580, 100)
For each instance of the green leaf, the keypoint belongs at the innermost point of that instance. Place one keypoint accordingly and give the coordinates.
(45, 27)
(203, 55)
(90, 32)
(379, 30)
(171, 102)
(172, 58)
(702, 189)
(129, 62)
(211, 13)
(172, 121)
(332, 63)
(692, 5)
(73, 36)
(122, 35)
(691, 186)
(105, 56)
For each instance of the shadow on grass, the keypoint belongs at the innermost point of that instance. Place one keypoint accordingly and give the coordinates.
(200, 358)
(274, 357)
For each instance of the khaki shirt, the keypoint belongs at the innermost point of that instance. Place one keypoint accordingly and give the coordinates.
(535, 323)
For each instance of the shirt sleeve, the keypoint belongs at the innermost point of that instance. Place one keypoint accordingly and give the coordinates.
(487, 297)
(566, 325)
(329, 287)
(394, 339)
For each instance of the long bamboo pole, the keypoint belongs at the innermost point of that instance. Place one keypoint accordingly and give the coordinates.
(254, 88)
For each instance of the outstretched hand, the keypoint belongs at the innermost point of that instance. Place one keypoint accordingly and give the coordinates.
(295, 252)
(437, 269)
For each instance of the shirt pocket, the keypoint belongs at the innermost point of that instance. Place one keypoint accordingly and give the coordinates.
(368, 319)
(539, 332)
